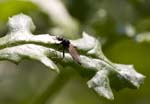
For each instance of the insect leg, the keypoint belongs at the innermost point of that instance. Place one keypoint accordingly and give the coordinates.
(63, 52)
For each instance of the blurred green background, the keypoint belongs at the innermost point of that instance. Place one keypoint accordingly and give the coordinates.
(116, 22)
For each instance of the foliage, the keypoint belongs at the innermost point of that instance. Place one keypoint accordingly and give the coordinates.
(120, 35)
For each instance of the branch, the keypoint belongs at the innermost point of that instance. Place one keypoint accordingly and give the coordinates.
(20, 43)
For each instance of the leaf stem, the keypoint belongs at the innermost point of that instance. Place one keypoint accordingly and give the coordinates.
(53, 88)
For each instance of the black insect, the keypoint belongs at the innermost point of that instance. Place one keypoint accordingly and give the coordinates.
(70, 48)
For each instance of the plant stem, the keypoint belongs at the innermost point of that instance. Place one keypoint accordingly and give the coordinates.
(53, 88)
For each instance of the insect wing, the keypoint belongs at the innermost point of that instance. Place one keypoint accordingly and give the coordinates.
(73, 52)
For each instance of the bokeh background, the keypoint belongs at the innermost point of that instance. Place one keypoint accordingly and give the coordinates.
(123, 26)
